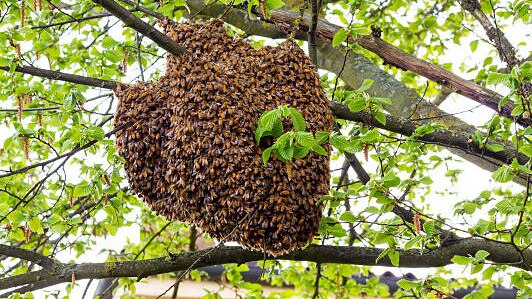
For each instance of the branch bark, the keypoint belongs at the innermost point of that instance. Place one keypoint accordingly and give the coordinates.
(56, 75)
(396, 57)
(139, 25)
(27, 255)
(499, 253)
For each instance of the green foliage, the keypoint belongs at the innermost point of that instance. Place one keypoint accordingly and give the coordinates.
(294, 144)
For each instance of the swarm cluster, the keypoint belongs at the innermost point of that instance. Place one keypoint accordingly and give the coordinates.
(189, 141)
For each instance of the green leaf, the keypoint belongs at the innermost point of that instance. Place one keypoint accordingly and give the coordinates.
(278, 128)
(380, 117)
(356, 104)
(339, 37)
(322, 136)
(481, 255)
(429, 227)
(474, 45)
(82, 189)
(283, 154)
(497, 78)
(469, 208)
(461, 260)
(266, 154)
(494, 147)
(412, 242)
(518, 110)
(526, 149)
(426, 180)
(300, 152)
(319, 149)
(337, 231)
(371, 136)
(305, 139)
(274, 4)
(348, 217)
(297, 120)
(16, 217)
(339, 142)
(476, 268)
(394, 257)
(365, 85)
(109, 42)
(95, 133)
(35, 225)
(503, 174)
(504, 206)
(407, 284)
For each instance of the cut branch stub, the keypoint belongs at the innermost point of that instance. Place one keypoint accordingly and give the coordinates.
(189, 141)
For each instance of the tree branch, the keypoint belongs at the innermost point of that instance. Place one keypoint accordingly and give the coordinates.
(444, 137)
(27, 255)
(413, 258)
(56, 75)
(504, 47)
(325, 30)
(395, 56)
(139, 25)
(65, 155)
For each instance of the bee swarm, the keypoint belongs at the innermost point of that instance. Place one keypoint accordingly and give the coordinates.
(189, 141)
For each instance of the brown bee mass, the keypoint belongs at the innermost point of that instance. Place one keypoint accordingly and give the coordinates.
(189, 141)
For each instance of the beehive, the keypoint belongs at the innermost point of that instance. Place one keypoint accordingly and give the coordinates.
(189, 140)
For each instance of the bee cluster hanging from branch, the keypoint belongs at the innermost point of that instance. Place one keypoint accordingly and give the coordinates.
(189, 140)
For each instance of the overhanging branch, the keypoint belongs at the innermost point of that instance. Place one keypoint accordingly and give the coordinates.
(27, 255)
(56, 75)
(499, 253)
(139, 25)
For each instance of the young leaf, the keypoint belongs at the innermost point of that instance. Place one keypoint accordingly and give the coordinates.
(461, 260)
(394, 257)
(305, 139)
(319, 149)
(274, 4)
(278, 128)
(297, 120)
(95, 133)
(348, 217)
(407, 285)
(322, 136)
(380, 117)
(365, 85)
(504, 174)
(266, 154)
(356, 104)
(339, 37)
(300, 152)
(339, 142)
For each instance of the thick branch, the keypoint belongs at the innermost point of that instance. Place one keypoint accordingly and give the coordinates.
(27, 255)
(56, 75)
(394, 56)
(139, 25)
(504, 47)
(499, 253)
(444, 137)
